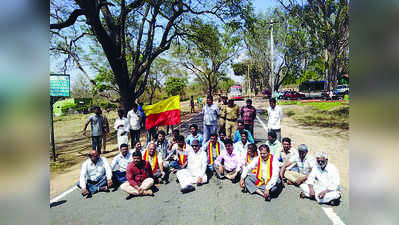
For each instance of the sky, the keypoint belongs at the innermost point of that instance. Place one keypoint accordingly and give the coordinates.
(260, 6)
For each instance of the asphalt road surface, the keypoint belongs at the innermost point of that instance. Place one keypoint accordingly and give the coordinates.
(218, 202)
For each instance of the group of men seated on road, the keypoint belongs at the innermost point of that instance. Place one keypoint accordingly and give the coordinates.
(262, 170)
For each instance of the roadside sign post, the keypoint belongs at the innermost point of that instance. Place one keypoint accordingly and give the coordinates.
(59, 87)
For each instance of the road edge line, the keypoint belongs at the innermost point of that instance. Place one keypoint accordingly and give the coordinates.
(261, 122)
(55, 199)
(333, 216)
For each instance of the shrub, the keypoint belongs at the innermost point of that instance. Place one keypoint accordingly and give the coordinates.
(65, 108)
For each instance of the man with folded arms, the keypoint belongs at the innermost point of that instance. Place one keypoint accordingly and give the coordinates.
(95, 174)
(297, 169)
(265, 181)
(228, 163)
(121, 160)
(139, 177)
(232, 114)
(195, 171)
(323, 182)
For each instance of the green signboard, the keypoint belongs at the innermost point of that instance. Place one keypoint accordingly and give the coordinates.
(59, 85)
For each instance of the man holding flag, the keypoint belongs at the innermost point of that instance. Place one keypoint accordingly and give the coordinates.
(265, 181)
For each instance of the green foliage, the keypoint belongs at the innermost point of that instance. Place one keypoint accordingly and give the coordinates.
(65, 108)
(175, 85)
(105, 80)
(225, 84)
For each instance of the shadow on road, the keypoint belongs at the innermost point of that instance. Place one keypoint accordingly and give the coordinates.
(54, 204)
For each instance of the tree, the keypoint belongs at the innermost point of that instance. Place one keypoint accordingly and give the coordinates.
(328, 24)
(80, 88)
(207, 52)
(144, 29)
(175, 85)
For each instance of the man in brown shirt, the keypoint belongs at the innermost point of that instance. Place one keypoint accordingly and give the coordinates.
(222, 109)
(232, 114)
(139, 177)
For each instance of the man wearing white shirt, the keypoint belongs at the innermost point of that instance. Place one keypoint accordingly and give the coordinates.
(249, 156)
(195, 171)
(266, 181)
(95, 174)
(134, 118)
(122, 127)
(274, 117)
(242, 146)
(323, 182)
(298, 168)
(287, 153)
(121, 161)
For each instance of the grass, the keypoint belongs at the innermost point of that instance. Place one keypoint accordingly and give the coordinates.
(320, 114)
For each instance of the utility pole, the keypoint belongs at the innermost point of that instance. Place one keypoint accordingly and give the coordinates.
(249, 85)
(271, 56)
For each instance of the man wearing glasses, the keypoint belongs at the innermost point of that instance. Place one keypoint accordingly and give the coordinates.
(323, 182)
(195, 171)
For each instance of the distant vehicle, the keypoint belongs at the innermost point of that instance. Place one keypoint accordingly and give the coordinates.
(342, 89)
(313, 89)
(235, 92)
(292, 95)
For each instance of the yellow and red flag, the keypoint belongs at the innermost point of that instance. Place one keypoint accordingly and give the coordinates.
(163, 113)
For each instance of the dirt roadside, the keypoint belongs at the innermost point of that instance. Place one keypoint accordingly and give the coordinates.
(335, 142)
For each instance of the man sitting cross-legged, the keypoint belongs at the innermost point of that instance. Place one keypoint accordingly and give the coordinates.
(155, 159)
(213, 149)
(196, 168)
(177, 158)
(228, 163)
(265, 181)
(121, 161)
(297, 169)
(323, 182)
(95, 174)
(139, 177)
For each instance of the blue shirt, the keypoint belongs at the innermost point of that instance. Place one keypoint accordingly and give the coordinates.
(190, 138)
(140, 109)
(237, 136)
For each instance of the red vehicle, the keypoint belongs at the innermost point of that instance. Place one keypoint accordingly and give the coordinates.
(293, 95)
(235, 92)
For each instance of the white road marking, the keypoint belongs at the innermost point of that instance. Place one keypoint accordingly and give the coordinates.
(74, 188)
(333, 216)
(329, 211)
(261, 122)
(63, 194)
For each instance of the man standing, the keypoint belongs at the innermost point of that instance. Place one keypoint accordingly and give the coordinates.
(232, 114)
(121, 161)
(139, 177)
(274, 117)
(133, 117)
(213, 149)
(155, 159)
(122, 128)
(228, 163)
(196, 168)
(95, 175)
(323, 182)
(194, 135)
(248, 115)
(192, 104)
(265, 181)
(211, 114)
(96, 129)
(299, 167)
(106, 129)
(222, 119)
(237, 134)
(274, 144)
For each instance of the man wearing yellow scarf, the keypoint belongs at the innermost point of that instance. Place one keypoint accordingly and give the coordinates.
(266, 181)
(155, 159)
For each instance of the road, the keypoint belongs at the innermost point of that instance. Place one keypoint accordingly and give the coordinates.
(218, 202)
